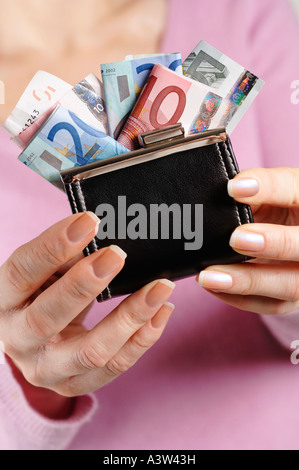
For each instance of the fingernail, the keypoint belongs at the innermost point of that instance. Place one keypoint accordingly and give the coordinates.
(108, 261)
(159, 293)
(215, 280)
(242, 187)
(83, 226)
(247, 241)
(162, 316)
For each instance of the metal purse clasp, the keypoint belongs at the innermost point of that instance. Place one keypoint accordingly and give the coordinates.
(160, 136)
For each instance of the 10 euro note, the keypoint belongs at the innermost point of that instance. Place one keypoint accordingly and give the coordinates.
(123, 82)
(68, 142)
(168, 99)
(43, 91)
(234, 83)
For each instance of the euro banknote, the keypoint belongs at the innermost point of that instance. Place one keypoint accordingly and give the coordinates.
(234, 83)
(45, 160)
(167, 99)
(68, 142)
(76, 140)
(123, 82)
(43, 91)
(86, 100)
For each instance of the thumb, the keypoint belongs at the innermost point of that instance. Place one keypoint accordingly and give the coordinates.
(272, 186)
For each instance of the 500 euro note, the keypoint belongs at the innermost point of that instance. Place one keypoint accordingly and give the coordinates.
(167, 99)
(234, 83)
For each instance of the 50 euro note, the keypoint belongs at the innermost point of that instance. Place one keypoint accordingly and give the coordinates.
(42, 92)
(123, 82)
(168, 99)
(86, 100)
(234, 83)
(65, 141)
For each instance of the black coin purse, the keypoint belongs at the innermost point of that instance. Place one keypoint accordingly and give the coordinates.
(166, 205)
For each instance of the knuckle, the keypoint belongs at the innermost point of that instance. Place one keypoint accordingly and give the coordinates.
(118, 366)
(295, 190)
(250, 282)
(17, 271)
(285, 247)
(292, 288)
(129, 317)
(52, 251)
(38, 324)
(143, 341)
(90, 358)
(77, 290)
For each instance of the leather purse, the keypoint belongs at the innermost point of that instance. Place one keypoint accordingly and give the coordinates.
(172, 213)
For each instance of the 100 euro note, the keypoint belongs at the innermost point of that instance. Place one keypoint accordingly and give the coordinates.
(234, 83)
(43, 91)
(65, 141)
(86, 100)
(123, 82)
(168, 99)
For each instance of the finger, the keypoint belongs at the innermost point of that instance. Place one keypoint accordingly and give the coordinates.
(56, 307)
(32, 264)
(248, 279)
(61, 271)
(267, 241)
(128, 355)
(257, 304)
(273, 186)
(95, 348)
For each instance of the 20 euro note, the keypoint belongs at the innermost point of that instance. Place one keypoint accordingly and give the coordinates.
(68, 142)
(167, 99)
(86, 100)
(43, 91)
(234, 83)
(123, 82)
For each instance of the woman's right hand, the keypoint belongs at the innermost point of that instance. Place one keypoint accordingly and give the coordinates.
(46, 290)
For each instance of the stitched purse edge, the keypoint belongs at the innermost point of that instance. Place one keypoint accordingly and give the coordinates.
(229, 155)
(75, 189)
(235, 172)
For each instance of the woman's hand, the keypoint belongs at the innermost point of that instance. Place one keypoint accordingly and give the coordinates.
(46, 289)
(270, 283)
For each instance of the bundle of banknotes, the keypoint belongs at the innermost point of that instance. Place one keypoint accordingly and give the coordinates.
(60, 126)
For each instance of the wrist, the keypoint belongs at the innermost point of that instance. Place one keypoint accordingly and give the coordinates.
(46, 402)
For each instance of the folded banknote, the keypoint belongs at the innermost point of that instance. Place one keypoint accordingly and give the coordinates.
(45, 161)
(43, 91)
(123, 82)
(86, 100)
(237, 86)
(68, 142)
(167, 99)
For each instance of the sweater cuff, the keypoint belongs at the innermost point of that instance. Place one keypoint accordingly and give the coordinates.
(25, 429)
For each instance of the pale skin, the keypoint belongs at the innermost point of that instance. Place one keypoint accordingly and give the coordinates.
(268, 284)
(47, 287)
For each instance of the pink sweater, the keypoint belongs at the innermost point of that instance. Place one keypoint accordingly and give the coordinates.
(217, 379)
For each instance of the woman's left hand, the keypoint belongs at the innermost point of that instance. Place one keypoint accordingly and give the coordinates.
(268, 284)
